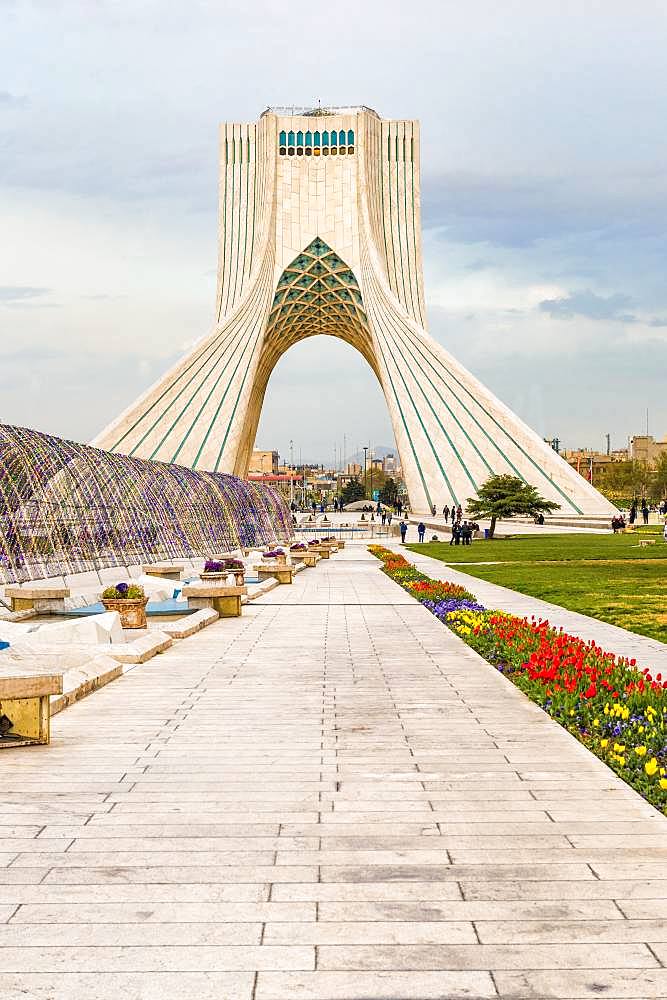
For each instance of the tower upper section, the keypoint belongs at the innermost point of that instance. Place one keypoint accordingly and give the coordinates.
(342, 174)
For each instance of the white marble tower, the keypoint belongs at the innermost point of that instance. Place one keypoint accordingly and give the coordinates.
(320, 233)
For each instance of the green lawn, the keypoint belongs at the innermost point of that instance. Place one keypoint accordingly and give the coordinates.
(606, 576)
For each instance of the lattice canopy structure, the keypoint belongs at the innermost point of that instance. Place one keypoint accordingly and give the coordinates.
(69, 508)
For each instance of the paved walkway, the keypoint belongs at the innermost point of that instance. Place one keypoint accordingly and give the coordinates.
(328, 799)
(648, 652)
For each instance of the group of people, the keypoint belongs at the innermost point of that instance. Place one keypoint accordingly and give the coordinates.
(455, 510)
(634, 509)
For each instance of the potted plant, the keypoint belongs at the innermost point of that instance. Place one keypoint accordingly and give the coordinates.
(236, 567)
(214, 569)
(130, 601)
(275, 555)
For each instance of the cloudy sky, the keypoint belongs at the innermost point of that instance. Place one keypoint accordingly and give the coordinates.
(544, 199)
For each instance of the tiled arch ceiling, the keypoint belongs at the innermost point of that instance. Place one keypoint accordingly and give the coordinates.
(318, 294)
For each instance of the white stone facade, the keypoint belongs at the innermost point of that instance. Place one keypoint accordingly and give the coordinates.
(311, 242)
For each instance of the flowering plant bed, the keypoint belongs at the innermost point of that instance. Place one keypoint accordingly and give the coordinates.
(299, 547)
(615, 709)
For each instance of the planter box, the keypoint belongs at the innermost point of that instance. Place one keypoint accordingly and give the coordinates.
(238, 574)
(132, 612)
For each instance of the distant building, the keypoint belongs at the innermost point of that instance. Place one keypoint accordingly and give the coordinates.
(644, 448)
(263, 462)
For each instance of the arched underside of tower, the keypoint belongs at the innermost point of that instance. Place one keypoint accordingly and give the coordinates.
(320, 235)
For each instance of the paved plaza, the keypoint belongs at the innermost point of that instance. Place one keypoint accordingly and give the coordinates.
(330, 798)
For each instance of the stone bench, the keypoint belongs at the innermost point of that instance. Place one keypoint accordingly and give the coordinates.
(45, 599)
(225, 600)
(25, 713)
(643, 542)
(168, 571)
(305, 557)
(280, 571)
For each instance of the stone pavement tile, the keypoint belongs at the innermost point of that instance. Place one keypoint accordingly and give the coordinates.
(128, 985)
(19, 832)
(86, 857)
(49, 894)
(193, 838)
(351, 891)
(573, 931)
(129, 935)
(614, 983)
(341, 832)
(235, 958)
(181, 912)
(230, 874)
(21, 876)
(644, 909)
(30, 845)
(374, 986)
(438, 873)
(485, 956)
(477, 910)
(581, 889)
(376, 932)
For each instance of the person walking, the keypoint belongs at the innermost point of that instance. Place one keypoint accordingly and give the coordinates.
(389, 517)
(445, 513)
(633, 512)
(664, 531)
(456, 535)
(421, 531)
(384, 518)
(404, 530)
(644, 510)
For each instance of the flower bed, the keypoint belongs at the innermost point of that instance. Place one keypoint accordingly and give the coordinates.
(615, 709)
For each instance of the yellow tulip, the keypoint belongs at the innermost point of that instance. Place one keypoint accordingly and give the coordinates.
(663, 784)
(651, 767)
(641, 751)
(603, 743)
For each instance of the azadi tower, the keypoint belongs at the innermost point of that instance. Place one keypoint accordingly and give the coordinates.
(320, 233)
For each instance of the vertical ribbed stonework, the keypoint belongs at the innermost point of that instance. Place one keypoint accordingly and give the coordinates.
(320, 234)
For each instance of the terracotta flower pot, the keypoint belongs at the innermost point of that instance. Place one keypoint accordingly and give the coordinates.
(132, 611)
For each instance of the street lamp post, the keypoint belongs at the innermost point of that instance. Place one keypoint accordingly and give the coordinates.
(365, 475)
(291, 472)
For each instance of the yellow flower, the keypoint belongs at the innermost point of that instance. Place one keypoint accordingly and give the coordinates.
(663, 784)
(621, 760)
(651, 767)
(619, 747)
(640, 750)
(596, 723)
(603, 743)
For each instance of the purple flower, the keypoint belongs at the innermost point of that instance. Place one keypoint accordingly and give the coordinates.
(122, 588)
